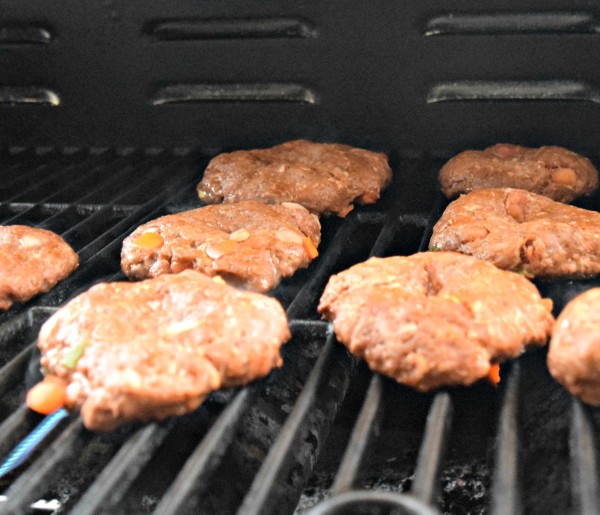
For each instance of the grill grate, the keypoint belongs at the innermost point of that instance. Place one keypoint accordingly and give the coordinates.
(320, 435)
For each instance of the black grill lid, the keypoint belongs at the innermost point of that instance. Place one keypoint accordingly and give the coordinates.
(409, 75)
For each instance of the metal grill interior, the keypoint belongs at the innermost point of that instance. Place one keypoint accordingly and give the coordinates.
(110, 111)
(321, 433)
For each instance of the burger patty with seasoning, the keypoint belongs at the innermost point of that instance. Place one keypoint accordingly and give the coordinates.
(152, 349)
(249, 244)
(521, 231)
(574, 353)
(32, 261)
(554, 172)
(323, 177)
(435, 318)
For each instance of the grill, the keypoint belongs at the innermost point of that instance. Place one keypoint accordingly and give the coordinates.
(321, 435)
(110, 111)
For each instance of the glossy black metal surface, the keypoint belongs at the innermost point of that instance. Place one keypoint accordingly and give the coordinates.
(413, 76)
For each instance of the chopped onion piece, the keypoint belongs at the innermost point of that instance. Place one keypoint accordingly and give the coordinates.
(239, 235)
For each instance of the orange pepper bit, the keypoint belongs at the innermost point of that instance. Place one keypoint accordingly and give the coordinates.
(310, 248)
(493, 375)
(47, 396)
(149, 240)
(548, 304)
(221, 248)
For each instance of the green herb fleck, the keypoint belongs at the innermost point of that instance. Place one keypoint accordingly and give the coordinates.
(522, 271)
(74, 355)
(435, 248)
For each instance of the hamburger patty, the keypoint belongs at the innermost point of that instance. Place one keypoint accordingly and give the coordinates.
(157, 348)
(521, 231)
(323, 177)
(32, 261)
(250, 244)
(434, 318)
(554, 172)
(574, 354)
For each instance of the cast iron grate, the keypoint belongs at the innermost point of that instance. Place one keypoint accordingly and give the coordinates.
(321, 435)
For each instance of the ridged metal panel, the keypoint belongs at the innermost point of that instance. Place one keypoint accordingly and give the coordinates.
(243, 74)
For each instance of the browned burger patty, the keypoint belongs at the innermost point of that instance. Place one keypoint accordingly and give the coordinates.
(554, 172)
(434, 318)
(157, 348)
(249, 244)
(574, 354)
(323, 177)
(521, 231)
(32, 261)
